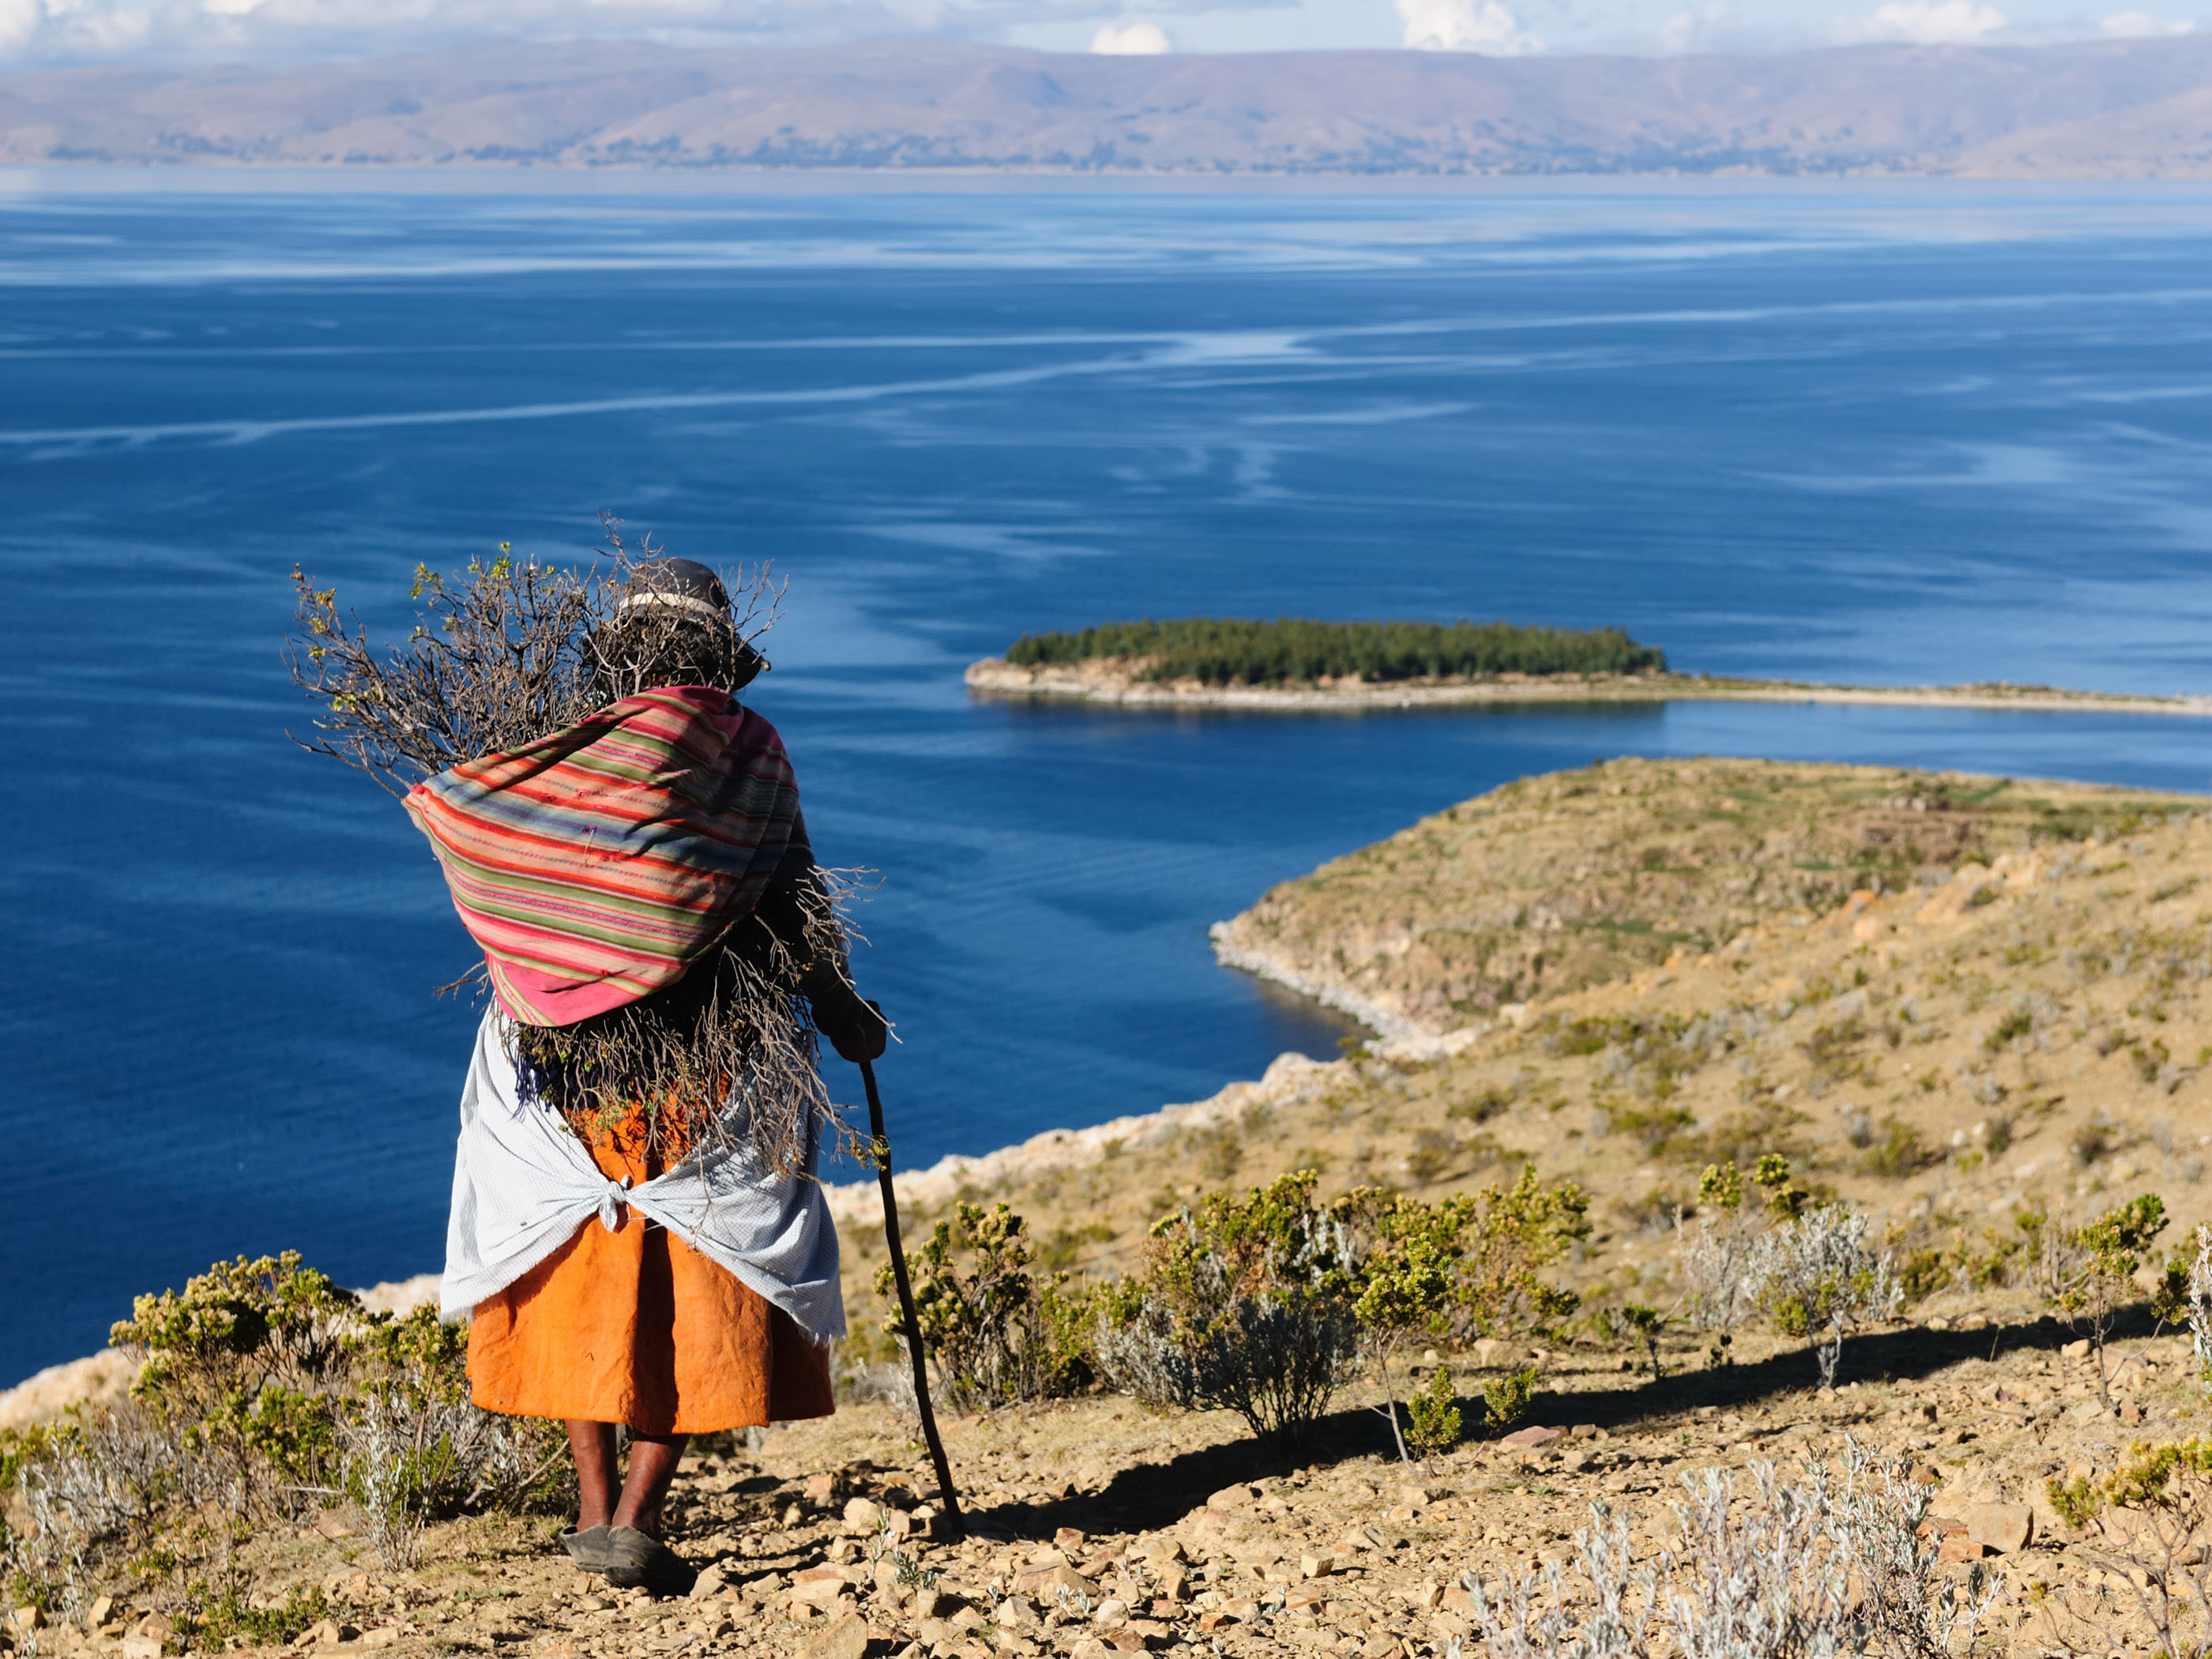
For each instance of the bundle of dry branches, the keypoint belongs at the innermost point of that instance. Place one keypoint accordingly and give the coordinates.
(501, 654)
(509, 651)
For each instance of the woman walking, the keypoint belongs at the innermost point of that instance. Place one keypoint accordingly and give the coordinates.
(637, 1237)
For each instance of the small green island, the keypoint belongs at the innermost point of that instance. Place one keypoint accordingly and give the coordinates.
(1299, 651)
(1300, 664)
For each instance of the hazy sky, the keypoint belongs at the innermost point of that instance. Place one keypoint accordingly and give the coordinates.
(35, 32)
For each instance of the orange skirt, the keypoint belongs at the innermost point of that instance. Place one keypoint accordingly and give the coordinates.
(635, 1327)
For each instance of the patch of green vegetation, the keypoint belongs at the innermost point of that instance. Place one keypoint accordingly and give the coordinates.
(1654, 1125)
(1599, 1032)
(1057, 1250)
(1218, 1150)
(1432, 1154)
(216, 1621)
(1225, 651)
(1762, 1129)
(1899, 1153)
(1493, 1101)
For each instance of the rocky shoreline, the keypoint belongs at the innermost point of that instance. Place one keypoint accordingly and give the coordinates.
(1115, 682)
(1330, 991)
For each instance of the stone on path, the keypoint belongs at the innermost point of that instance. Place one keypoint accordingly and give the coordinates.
(2003, 1527)
(846, 1639)
(1535, 1435)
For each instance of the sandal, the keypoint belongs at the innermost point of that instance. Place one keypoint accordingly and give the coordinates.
(633, 1559)
(587, 1547)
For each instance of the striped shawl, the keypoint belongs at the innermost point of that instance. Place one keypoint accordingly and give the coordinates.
(595, 866)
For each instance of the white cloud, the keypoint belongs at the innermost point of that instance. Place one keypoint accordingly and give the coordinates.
(1697, 27)
(19, 21)
(1465, 25)
(1925, 22)
(1130, 40)
(290, 30)
(2142, 26)
(296, 31)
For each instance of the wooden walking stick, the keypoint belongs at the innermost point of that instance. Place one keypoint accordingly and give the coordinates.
(883, 1156)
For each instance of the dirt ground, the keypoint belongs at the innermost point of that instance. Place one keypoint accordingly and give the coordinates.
(1098, 1526)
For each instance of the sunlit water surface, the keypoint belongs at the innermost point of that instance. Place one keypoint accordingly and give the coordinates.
(1894, 436)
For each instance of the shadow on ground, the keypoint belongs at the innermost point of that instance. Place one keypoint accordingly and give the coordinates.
(1157, 1495)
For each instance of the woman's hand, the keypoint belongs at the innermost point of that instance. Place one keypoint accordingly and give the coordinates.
(863, 1037)
(856, 1030)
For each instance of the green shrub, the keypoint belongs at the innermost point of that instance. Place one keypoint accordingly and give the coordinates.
(1219, 650)
(1511, 1234)
(2017, 1024)
(1218, 1151)
(2195, 1303)
(1505, 1400)
(1433, 1419)
(415, 1450)
(1243, 1304)
(1712, 1257)
(1057, 1250)
(2149, 1519)
(1816, 1277)
(1480, 1109)
(263, 1389)
(1407, 1274)
(2094, 1140)
(1261, 1302)
(1924, 1271)
(1742, 1137)
(213, 1621)
(1651, 1126)
(1785, 1199)
(1647, 1322)
(242, 1362)
(1432, 1154)
(92, 1492)
(994, 1333)
(19, 1447)
(2108, 1251)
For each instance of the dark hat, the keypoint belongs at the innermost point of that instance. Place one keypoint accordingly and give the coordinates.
(677, 585)
(685, 587)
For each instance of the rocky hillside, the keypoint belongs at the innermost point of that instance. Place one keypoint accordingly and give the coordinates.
(1556, 882)
(2030, 1029)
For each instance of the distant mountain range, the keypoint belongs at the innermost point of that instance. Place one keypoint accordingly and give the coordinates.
(2106, 109)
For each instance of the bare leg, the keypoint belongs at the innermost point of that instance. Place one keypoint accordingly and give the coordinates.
(653, 1460)
(592, 1445)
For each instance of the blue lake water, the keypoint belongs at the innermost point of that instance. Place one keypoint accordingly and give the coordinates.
(1894, 434)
